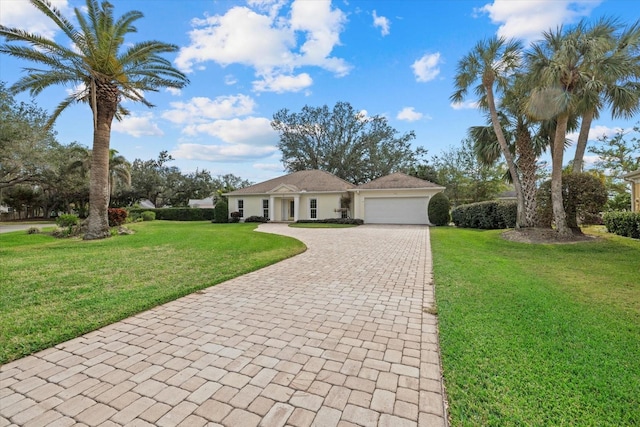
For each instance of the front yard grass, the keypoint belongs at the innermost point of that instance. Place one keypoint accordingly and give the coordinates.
(538, 334)
(53, 290)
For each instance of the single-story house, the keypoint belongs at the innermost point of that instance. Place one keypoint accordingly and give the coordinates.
(634, 179)
(201, 203)
(313, 194)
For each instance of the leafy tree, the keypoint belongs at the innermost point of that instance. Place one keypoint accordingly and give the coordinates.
(342, 141)
(617, 156)
(106, 70)
(149, 178)
(492, 63)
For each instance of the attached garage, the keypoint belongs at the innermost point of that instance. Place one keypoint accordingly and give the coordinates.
(396, 210)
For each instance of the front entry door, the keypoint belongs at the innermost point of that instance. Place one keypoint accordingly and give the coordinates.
(288, 209)
(292, 210)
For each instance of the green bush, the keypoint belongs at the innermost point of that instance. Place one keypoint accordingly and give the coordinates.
(623, 223)
(439, 210)
(117, 216)
(67, 220)
(351, 221)
(584, 197)
(148, 216)
(33, 230)
(221, 212)
(177, 214)
(486, 215)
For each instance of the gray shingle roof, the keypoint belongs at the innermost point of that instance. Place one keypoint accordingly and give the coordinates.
(397, 180)
(308, 180)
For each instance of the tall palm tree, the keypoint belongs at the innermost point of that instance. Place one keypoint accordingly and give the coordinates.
(614, 81)
(560, 65)
(105, 73)
(492, 62)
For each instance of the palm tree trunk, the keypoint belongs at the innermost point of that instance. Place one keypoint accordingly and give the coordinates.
(559, 214)
(520, 217)
(583, 137)
(527, 166)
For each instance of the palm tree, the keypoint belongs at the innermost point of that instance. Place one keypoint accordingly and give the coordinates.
(492, 62)
(560, 65)
(104, 72)
(119, 171)
(614, 81)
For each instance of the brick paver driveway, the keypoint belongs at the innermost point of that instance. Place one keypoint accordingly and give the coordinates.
(336, 336)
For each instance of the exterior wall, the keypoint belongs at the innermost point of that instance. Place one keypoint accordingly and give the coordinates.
(359, 197)
(635, 196)
(326, 205)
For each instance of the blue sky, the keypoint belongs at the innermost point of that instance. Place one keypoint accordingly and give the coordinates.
(248, 59)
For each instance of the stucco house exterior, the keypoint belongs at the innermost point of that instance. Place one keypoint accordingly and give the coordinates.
(634, 179)
(313, 194)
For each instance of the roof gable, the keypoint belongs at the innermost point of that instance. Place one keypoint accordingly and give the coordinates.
(301, 181)
(397, 180)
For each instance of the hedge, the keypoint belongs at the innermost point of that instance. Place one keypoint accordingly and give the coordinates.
(623, 223)
(486, 215)
(353, 221)
(177, 214)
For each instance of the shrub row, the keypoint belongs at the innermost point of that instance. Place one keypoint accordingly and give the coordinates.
(353, 221)
(177, 214)
(623, 223)
(256, 219)
(486, 215)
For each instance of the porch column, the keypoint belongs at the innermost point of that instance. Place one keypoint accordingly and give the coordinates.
(296, 207)
(272, 211)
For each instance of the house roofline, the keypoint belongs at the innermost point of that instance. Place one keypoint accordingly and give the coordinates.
(396, 189)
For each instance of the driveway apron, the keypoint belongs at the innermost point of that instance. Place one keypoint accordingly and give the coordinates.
(340, 335)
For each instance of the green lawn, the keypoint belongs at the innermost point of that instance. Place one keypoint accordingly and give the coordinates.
(538, 334)
(52, 290)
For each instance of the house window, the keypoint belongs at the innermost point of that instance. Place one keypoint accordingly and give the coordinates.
(313, 208)
(344, 213)
(265, 208)
(241, 208)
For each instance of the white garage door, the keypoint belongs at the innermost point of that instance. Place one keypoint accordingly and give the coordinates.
(395, 210)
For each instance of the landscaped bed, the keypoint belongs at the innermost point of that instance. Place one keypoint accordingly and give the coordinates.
(538, 334)
(56, 289)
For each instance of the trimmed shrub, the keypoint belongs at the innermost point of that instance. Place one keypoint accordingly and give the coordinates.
(177, 214)
(352, 221)
(67, 220)
(486, 215)
(257, 219)
(33, 230)
(148, 216)
(221, 212)
(439, 208)
(235, 217)
(625, 224)
(117, 216)
(584, 197)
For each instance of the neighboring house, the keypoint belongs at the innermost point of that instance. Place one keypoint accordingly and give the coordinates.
(634, 179)
(313, 194)
(146, 204)
(507, 195)
(201, 203)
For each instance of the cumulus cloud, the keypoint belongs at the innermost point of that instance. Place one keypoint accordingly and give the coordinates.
(203, 109)
(221, 153)
(268, 39)
(427, 67)
(138, 125)
(528, 19)
(283, 83)
(381, 22)
(596, 132)
(254, 130)
(409, 114)
(468, 105)
(17, 13)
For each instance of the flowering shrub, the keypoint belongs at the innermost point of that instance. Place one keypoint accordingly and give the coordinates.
(117, 217)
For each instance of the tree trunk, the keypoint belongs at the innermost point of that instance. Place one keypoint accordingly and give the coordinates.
(527, 166)
(97, 224)
(520, 218)
(583, 137)
(559, 215)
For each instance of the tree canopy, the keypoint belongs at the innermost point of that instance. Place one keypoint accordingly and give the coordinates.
(344, 142)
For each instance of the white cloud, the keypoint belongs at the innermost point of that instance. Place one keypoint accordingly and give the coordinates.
(528, 19)
(409, 114)
(277, 167)
(468, 105)
(283, 83)
(251, 130)
(203, 109)
(20, 13)
(595, 132)
(230, 80)
(269, 43)
(381, 22)
(174, 91)
(138, 125)
(221, 153)
(426, 68)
